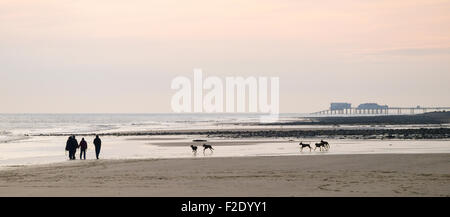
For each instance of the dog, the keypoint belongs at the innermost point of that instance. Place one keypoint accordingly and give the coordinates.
(326, 145)
(194, 149)
(304, 146)
(320, 145)
(205, 146)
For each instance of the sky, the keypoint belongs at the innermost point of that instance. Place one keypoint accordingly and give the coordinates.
(111, 56)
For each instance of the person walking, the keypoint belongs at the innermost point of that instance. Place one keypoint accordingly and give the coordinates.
(83, 147)
(73, 148)
(98, 145)
(68, 144)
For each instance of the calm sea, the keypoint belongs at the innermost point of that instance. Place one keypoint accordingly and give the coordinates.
(15, 126)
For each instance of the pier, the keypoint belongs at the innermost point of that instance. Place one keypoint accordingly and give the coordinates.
(345, 109)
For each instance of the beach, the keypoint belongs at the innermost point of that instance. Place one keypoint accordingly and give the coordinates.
(315, 175)
(150, 155)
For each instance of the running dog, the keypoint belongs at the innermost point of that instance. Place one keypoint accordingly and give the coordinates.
(194, 149)
(205, 146)
(304, 146)
(326, 145)
(322, 144)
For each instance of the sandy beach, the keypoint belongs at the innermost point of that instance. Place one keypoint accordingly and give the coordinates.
(331, 175)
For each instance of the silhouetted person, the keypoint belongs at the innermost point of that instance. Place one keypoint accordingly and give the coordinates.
(83, 147)
(68, 144)
(72, 146)
(98, 145)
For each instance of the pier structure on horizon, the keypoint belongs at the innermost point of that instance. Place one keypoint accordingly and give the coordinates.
(346, 109)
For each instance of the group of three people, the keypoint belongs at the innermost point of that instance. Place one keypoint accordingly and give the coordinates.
(72, 146)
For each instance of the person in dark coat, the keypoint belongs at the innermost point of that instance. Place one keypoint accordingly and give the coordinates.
(70, 147)
(83, 147)
(73, 148)
(68, 144)
(98, 145)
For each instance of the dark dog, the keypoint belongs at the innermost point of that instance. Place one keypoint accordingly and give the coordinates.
(205, 146)
(194, 149)
(326, 145)
(304, 146)
(320, 145)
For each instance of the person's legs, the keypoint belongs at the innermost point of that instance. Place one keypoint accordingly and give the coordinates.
(81, 154)
(84, 154)
(97, 151)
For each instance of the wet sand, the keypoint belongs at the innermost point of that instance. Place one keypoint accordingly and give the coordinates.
(332, 175)
(215, 143)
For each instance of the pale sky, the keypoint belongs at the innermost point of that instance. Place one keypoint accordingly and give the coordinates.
(111, 56)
